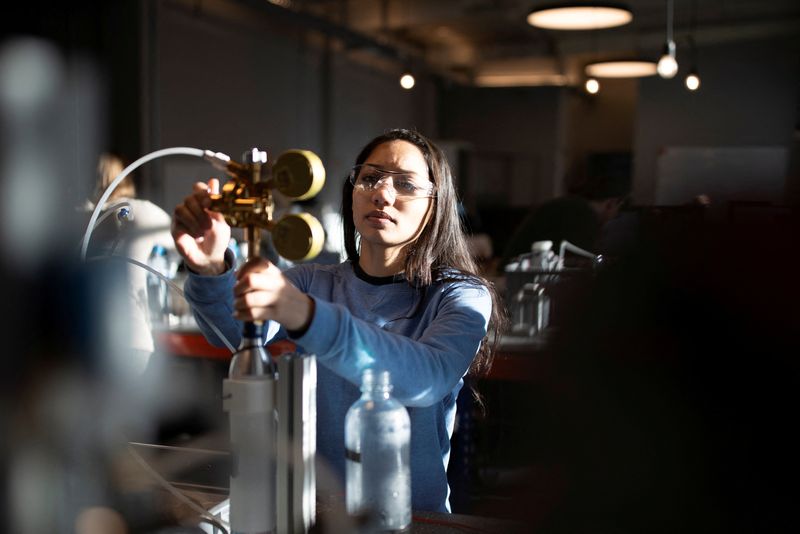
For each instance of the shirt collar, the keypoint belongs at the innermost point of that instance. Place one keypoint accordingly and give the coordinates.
(376, 280)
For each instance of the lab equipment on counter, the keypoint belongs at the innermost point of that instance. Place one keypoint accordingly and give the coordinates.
(248, 395)
(378, 469)
(297, 443)
(294, 497)
(253, 392)
(535, 280)
(529, 279)
(531, 310)
(246, 201)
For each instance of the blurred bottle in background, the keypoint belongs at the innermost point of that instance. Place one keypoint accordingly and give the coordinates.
(156, 287)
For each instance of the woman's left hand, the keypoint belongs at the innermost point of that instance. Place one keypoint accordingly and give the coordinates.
(262, 293)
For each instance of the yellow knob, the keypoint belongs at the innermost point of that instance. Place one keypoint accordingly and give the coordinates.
(298, 236)
(298, 174)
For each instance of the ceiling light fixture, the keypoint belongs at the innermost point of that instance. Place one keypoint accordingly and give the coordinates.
(693, 80)
(407, 80)
(520, 80)
(580, 16)
(591, 85)
(668, 65)
(632, 68)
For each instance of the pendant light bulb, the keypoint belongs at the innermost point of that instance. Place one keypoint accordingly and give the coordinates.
(692, 81)
(668, 65)
(407, 80)
(592, 86)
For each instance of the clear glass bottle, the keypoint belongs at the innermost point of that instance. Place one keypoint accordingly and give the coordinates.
(378, 470)
(156, 287)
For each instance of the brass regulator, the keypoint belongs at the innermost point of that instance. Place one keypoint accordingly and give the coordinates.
(246, 201)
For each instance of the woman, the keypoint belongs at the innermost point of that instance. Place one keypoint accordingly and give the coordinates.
(407, 299)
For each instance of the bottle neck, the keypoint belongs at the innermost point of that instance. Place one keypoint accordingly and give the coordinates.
(376, 385)
(253, 330)
(251, 359)
(376, 392)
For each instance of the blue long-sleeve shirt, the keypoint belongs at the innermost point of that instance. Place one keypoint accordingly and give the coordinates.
(426, 339)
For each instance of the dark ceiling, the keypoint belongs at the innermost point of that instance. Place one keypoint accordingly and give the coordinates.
(471, 39)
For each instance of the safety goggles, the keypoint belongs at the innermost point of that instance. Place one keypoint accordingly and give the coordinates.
(367, 178)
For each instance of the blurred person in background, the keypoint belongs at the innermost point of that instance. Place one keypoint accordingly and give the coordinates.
(580, 217)
(132, 236)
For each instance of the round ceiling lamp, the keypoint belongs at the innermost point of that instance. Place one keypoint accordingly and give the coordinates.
(692, 81)
(580, 16)
(621, 69)
(407, 80)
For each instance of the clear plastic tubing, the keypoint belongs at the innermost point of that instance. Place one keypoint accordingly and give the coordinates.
(125, 172)
(172, 286)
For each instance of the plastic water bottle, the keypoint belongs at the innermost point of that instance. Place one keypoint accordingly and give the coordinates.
(377, 440)
(157, 288)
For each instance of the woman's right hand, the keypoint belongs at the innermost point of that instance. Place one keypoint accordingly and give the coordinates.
(201, 236)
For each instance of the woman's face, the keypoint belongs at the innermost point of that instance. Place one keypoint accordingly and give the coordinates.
(383, 220)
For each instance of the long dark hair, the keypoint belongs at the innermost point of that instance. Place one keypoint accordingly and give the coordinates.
(440, 253)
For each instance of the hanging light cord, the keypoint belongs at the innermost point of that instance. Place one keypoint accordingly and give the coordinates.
(692, 30)
(669, 21)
